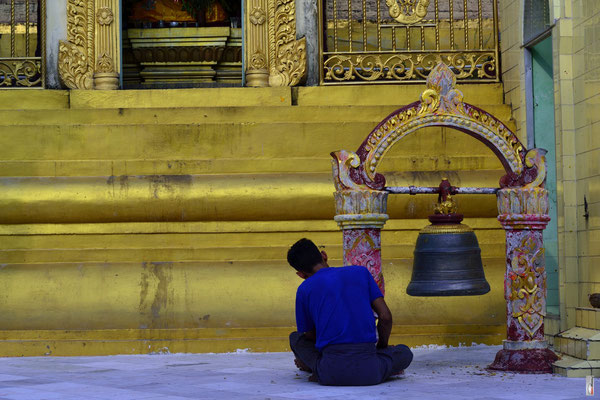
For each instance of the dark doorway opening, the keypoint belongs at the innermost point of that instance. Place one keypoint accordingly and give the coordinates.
(181, 43)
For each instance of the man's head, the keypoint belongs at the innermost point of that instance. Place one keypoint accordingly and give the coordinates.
(306, 258)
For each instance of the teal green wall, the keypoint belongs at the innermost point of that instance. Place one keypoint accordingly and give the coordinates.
(544, 137)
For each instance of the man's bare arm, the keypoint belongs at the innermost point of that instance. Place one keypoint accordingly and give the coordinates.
(384, 322)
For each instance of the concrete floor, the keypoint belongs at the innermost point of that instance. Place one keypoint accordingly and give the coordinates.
(436, 373)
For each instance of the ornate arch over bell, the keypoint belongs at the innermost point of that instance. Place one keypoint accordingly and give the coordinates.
(441, 104)
(361, 209)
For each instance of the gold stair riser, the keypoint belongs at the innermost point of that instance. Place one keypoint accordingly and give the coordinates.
(457, 168)
(399, 240)
(133, 295)
(398, 95)
(211, 115)
(394, 95)
(100, 346)
(193, 198)
(485, 225)
(214, 141)
(582, 372)
(268, 332)
(582, 349)
(190, 254)
(588, 318)
(182, 98)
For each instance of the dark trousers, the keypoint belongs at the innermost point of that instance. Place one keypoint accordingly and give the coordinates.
(350, 364)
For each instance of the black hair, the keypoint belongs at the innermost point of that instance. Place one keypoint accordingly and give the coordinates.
(304, 255)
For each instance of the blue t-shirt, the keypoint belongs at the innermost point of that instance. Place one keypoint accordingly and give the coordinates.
(336, 302)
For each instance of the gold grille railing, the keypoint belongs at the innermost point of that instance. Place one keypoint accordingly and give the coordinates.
(22, 43)
(385, 41)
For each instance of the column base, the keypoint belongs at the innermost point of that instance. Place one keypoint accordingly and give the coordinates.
(257, 78)
(526, 361)
(106, 81)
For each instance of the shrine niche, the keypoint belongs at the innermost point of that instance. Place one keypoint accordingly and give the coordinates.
(180, 43)
(361, 208)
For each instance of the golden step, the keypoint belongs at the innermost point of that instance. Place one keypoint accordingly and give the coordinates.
(456, 167)
(587, 317)
(572, 367)
(582, 343)
(214, 141)
(482, 225)
(490, 93)
(162, 293)
(11, 99)
(203, 198)
(210, 115)
(145, 341)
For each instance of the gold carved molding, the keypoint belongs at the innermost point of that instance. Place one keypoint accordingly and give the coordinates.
(288, 55)
(274, 56)
(90, 57)
(106, 75)
(257, 44)
(76, 54)
(407, 11)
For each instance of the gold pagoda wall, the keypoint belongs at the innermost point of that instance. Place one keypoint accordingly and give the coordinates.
(158, 220)
(135, 221)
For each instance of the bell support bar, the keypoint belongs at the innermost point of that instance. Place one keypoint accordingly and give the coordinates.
(412, 190)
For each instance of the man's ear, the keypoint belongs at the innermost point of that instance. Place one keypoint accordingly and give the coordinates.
(301, 274)
(324, 255)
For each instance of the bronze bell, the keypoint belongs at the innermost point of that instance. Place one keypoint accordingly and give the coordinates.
(447, 258)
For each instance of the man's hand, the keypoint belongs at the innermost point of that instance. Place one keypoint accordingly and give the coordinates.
(384, 322)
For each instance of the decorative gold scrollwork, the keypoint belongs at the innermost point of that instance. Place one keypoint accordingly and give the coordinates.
(342, 163)
(288, 55)
(258, 60)
(76, 54)
(338, 68)
(20, 73)
(407, 11)
(536, 158)
(105, 64)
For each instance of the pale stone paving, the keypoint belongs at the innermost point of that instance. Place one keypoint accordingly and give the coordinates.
(436, 373)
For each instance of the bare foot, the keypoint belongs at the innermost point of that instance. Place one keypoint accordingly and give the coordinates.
(313, 378)
(301, 366)
(401, 372)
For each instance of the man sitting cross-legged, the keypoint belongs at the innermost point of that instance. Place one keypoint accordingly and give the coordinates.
(336, 338)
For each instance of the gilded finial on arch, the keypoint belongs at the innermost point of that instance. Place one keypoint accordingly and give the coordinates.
(441, 94)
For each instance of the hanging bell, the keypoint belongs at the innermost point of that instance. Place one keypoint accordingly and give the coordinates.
(447, 258)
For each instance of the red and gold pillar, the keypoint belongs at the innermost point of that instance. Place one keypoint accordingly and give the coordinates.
(523, 213)
(361, 214)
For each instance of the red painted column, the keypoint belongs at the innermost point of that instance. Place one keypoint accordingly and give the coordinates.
(361, 214)
(524, 215)
(363, 247)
